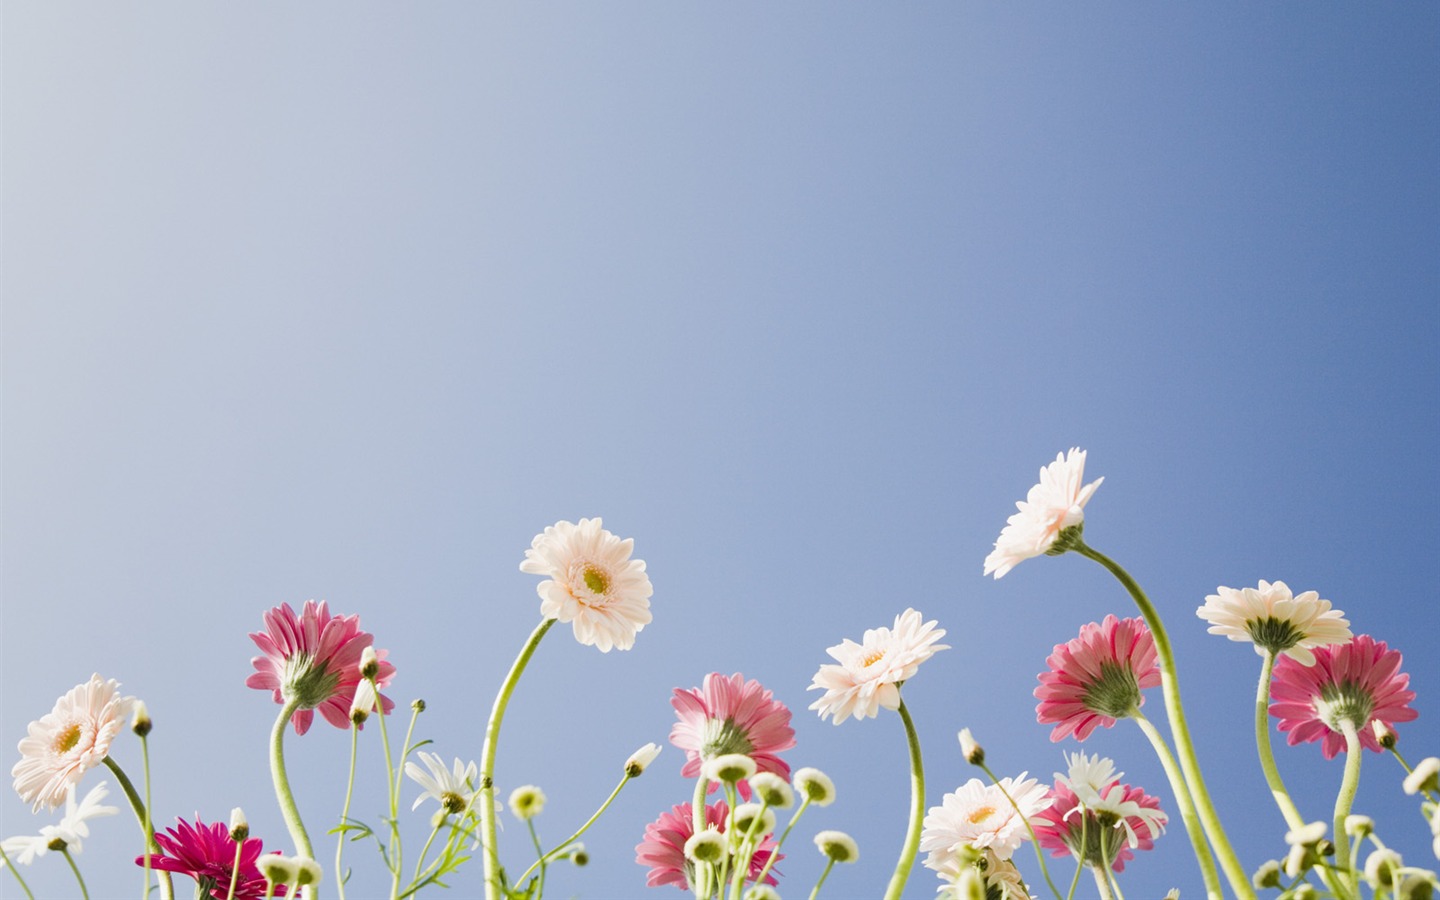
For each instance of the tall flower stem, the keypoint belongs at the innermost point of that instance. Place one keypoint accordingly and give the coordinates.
(1102, 883)
(235, 870)
(70, 858)
(804, 804)
(148, 825)
(823, 875)
(395, 858)
(486, 793)
(917, 811)
(142, 815)
(701, 887)
(345, 813)
(1080, 859)
(1348, 786)
(1185, 805)
(10, 864)
(565, 844)
(1262, 742)
(283, 794)
(1175, 712)
(1034, 841)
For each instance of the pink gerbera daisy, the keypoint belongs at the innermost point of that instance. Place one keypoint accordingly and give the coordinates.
(1360, 681)
(1097, 677)
(870, 673)
(315, 658)
(207, 854)
(663, 849)
(68, 741)
(731, 715)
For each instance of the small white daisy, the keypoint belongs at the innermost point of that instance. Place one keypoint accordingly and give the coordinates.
(453, 787)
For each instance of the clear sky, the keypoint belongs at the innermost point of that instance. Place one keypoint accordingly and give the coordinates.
(347, 302)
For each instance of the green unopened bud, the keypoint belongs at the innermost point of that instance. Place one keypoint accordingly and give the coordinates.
(1361, 827)
(57, 844)
(1305, 891)
(1416, 886)
(641, 759)
(277, 869)
(580, 856)
(364, 703)
(418, 705)
(1425, 779)
(239, 828)
(974, 753)
(1382, 868)
(1385, 736)
(729, 768)
(707, 846)
(527, 802)
(762, 892)
(815, 786)
(837, 845)
(1267, 876)
(307, 871)
(369, 664)
(773, 789)
(140, 721)
(754, 817)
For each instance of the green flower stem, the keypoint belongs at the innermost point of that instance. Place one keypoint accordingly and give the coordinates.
(282, 783)
(1184, 804)
(142, 815)
(491, 856)
(1262, 743)
(701, 887)
(405, 750)
(235, 870)
(69, 858)
(1034, 841)
(10, 864)
(395, 858)
(1102, 883)
(730, 800)
(1429, 795)
(148, 825)
(1106, 866)
(425, 851)
(748, 845)
(917, 811)
(565, 844)
(345, 813)
(1175, 712)
(540, 853)
(1079, 860)
(1346, 798)
(823, 875)
(804, 804)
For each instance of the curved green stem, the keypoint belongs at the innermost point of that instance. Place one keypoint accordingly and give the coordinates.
(540, 852)
(142, 815)
(395, 859)
(1034, 841)
(701, 887)
(748, 843)
(1262, 743)
(10, 864)
(775, 854)
(149, 825)
(565, 844)
(917, 811)
(1175, 712)
(1079, 860)
(1184, 804)
(489, 851)
(425, 851)
(283, 794)
(1346, 798)
(345, 813)
(823, 875)
(69, 858)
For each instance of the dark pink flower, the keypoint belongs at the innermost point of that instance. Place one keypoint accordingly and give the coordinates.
(1097, 677)
(1068, 830)
(1360, 681)
(207, 854)
(314, 657)
(663, 849)
(731, 715)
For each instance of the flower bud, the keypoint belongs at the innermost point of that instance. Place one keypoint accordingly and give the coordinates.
(1359, 826)
(1267, 876)
(762, 892)
(1425, 778)
(239, 828)
(729, 768)
(140, 720)
(641, 759)
(1384, 734)
(837, 845)
(369, 664)
(773, 789)
(1305, 835)
(1172, 894)
(418, 705)
(363, 704)
(526, 802)
(1305, 891)
(307, 871)
(57, 844)
(974, 753)
(754, 818)
(580, 856)
(1415, 887)
(1381, 868)
(277, 869)
(815, 786)
(707, 846)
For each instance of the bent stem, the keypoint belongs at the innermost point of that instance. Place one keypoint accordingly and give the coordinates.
(823, 875)
(1175, 712)
(1348, 786)
(142, 815)
(775, 854)
(486, 793)
(283, 794)
(69, 858)
(917, 811)
(1262, 743)
(10, 864)
(1034, 841)
(1182, 800)
(549, 857)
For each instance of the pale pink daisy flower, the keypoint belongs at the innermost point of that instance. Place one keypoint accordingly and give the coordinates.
(315, 658)
(1097, 677)
(1360, 681)
(869, 673)
(593, 583)
(1053, 505)
(663, 848)
(731, 715)
(65, 743)
(979, 815)
(1070, 827)
(1271, 619)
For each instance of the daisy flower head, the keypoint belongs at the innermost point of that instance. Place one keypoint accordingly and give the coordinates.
(727, 715)
(1272, 619)
(869, 674)
(592, 583)
(206, 853)
(1359, 682)
(663, 849)
(993, 877)
(1097, 677)
(1051, 507)
(314, 659)
(1105, 827)
(65, 743)
(979, 815)
(454, 788)
(70, 833)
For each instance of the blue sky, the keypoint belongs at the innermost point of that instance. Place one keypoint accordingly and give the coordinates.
(348, 303)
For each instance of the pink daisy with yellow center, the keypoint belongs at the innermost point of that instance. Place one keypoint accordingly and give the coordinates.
(869, 674)
(1360, 682)
(70, 740)
(731, 715)
(593, 583)
(1097, 677)
(314, 658)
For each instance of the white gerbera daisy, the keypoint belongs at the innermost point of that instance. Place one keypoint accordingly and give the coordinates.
(1271, 619)
(980, 815)
(68, 741)
(593, 584)
(73, 828)
(1088, 775)
(869, 673)
(453, 788)
(1056, 503)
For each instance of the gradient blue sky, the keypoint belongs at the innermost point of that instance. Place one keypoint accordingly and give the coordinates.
(347, 302)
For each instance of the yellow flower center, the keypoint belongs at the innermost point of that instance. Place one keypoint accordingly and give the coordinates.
(67, 739)
(596, 579)
(981, 814)
(871, 659)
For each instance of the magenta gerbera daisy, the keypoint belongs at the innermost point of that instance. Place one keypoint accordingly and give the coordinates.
(731, 715)
(1097, 677)
(314, 658)
(1360, 681)
(207, 854)
(663, 848)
